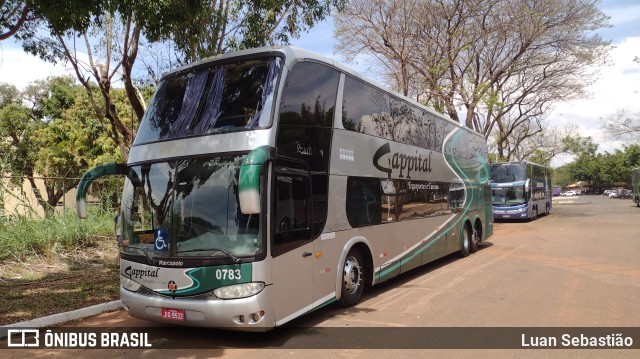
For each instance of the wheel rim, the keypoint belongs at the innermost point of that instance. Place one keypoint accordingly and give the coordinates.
(352, 275)
(465, 240)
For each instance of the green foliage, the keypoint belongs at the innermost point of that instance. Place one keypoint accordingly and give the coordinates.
(540, 157)
(18, 130)
(51, 97)
(561, 176)
(242, 24)
(22, 237)
(605, 170)
(58, 136)
(579, 145)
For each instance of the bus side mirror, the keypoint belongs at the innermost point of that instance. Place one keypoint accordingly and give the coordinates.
(90, 176)
(249, 180)
(527, 185)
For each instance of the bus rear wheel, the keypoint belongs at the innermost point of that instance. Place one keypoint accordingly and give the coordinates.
(465, 245)
(475, 238)
(352, 278)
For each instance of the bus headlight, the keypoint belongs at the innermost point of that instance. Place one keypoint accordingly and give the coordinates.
(129, 284)
(239, 290)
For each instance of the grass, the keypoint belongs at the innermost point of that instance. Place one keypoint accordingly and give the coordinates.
(56, 265)
(22, 237)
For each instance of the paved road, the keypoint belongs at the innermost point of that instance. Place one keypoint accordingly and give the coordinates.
(578, 267)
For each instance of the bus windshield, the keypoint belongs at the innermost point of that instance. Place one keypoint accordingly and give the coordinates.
(188, 208)
(508, 196)
(222, 98)
(504, 173)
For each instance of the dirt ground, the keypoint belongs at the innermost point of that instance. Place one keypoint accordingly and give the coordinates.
(57, 283)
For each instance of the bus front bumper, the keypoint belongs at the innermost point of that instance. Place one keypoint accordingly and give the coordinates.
(245, 314)
(518, 213)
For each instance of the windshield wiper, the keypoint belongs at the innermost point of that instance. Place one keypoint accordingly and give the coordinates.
(150, 260)
(234, 258)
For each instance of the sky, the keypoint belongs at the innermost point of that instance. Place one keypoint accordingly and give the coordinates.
(616, 89)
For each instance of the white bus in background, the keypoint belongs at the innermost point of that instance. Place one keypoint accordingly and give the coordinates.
(267, 183)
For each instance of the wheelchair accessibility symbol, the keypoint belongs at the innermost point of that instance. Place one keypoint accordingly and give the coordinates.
(161, 242)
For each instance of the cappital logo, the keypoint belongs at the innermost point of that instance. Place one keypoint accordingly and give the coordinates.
(401, 161)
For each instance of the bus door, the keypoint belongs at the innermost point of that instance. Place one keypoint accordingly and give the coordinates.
(291, 247)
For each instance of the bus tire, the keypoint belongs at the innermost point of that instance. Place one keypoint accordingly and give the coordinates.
(534, 214)
(546, 211)
(352, 278)
(475, 238)
(465, 243)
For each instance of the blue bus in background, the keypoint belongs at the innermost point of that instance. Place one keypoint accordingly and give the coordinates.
(520, 190)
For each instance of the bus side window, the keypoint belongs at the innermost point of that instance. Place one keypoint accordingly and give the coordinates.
(292, 211)
(364, 206)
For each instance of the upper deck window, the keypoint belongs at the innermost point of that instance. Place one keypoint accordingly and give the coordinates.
(221, 98)
(503, 173)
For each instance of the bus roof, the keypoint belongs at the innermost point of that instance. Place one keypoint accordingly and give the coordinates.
(295, 54)
(525, 162)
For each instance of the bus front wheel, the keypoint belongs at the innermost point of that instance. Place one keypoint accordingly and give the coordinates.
(352, 278)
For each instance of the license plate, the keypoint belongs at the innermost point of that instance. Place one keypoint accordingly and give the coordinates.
(172, 314)
(506, 216)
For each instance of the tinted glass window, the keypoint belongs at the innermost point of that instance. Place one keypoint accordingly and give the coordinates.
(369, 110)
(206, 212)
(305, 128)
(364, 206)
(509, 196)
(292, 210)
(503, 173)
(309, 97)
(365, 109)
(373, 200)
(208, 100)
(188, 208)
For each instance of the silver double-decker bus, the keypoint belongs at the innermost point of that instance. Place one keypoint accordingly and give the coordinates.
(264, 184)
(520, 190)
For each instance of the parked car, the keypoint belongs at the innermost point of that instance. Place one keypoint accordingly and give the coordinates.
(614, 194)
(625, 193)
(607, 192)
(569, 193)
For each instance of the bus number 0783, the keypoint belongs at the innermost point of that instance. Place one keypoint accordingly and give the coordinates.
(232, 274)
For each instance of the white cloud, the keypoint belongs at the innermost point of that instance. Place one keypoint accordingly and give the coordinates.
(617, 88)
(19, 68)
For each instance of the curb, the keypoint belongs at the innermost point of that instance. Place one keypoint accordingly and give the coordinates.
(64, 317)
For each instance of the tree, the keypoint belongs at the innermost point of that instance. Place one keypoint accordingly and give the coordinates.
(623, 125)
(56, 137)
(580, 146)
(549, 141)
(561, 176)
(21, 18)
(384, 31)
(227, 25)
(602, 170)
(111, 42)
(13, 15)
(496, 66)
